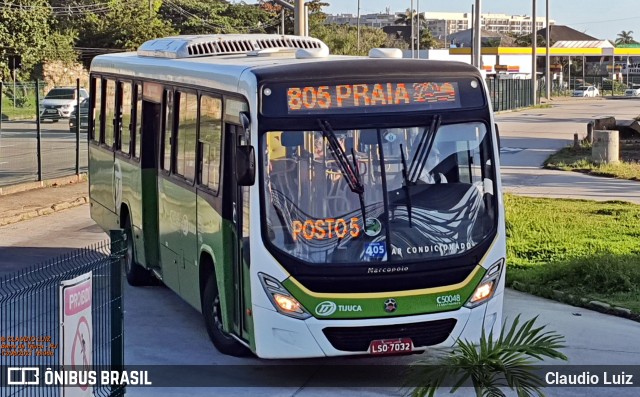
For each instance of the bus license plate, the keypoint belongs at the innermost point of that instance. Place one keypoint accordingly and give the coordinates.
(391, 346)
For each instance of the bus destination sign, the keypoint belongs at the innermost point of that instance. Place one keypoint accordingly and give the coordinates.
(360, 97)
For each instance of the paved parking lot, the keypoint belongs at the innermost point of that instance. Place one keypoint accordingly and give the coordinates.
(18, 151)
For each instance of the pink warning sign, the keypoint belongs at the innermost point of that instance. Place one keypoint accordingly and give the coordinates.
(77, 298)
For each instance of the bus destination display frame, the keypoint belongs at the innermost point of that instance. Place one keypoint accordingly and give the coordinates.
(303, 98)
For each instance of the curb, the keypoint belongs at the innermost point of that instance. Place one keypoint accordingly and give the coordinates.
(562, 297)
(63, 205)
(23, 187)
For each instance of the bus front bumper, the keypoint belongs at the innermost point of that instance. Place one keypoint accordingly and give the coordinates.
(281, 336)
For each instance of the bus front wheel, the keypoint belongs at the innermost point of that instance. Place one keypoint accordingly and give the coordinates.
(212, 313)
(136, 274)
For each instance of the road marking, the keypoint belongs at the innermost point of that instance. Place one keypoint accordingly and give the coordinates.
(510, 150)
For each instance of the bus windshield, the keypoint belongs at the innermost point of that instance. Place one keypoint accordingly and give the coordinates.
(428, 192)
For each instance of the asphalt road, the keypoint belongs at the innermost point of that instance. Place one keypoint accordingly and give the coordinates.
(535, 134)
(528, 137)
(161, 329)
(18, 151)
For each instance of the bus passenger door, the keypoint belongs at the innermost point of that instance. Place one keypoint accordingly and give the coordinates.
(238, 209)
(151, 128)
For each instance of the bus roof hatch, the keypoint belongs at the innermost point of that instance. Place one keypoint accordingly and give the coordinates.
(223, 44)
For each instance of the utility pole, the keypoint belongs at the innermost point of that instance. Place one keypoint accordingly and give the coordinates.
(477, 37)
(534, 53)
(547, 71)
(358, 23)
(13, 59)
(473, 35)
(298, 18)
(418, 21)
(306, 19)
(413, 43)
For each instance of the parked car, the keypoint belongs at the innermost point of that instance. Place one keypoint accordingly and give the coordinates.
(84, 118)
(586, 91)
(632, 92)
(60, 102)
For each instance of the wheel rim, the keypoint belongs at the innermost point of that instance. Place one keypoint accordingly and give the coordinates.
(217, 314)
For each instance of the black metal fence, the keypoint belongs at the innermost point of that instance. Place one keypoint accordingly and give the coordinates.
(509, 94)
(40, 138)
(29, 315)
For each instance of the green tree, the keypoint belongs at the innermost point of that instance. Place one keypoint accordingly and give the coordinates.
(25, 30)
(427, 41)
(625, 37)
(343, 39)
(405, 19)
(215, 16)
(316, 16)
(126, 24)
(524, 40)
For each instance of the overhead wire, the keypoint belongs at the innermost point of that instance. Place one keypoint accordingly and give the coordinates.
(103, 7)
(60, 10)
(171, 4)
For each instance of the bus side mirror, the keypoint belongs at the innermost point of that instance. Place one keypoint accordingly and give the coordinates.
(245, 165)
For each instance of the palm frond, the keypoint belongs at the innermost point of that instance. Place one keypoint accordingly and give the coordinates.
(492, 364)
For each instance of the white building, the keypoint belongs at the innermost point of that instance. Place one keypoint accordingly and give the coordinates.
(371, 20)
(442, 24)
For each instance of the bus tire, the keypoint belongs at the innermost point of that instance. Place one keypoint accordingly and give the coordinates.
(136, 274)
(224, 342)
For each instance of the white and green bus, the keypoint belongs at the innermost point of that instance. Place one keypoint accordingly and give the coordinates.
(307, 204)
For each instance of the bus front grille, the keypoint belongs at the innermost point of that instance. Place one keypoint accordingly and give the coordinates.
(357, 339)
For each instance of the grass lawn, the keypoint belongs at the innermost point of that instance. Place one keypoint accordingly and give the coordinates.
(27, 111)
(570, 159)
(584, 248)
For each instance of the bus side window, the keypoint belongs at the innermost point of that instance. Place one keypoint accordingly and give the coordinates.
(96, 106)
(110, 114)
(125, 117)
(185, 140)
(137, 141)
(210, 142)
(168, 130)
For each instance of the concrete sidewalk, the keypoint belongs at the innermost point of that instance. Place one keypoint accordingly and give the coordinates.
(32, 203)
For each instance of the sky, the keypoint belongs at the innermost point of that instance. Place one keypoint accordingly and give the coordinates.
(602, 19)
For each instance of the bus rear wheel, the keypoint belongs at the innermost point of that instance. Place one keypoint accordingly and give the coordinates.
(136, 274)
(212, 314)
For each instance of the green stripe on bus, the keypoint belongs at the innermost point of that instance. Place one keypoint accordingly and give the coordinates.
(352, 308)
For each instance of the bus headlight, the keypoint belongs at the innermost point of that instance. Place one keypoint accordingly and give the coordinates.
(282, 299)
(487, 286)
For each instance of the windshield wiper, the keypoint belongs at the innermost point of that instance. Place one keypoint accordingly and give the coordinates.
(422, 151)
(405, 187)
(411, 175)
(349, 171)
